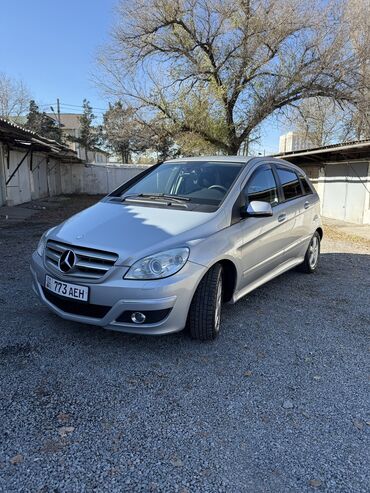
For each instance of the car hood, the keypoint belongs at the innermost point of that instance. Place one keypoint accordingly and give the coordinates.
(134, 231)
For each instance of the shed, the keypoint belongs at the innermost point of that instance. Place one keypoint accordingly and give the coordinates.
(29, 164)
(341, 176)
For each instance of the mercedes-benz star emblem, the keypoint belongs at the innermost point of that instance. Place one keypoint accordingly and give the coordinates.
(67, 261)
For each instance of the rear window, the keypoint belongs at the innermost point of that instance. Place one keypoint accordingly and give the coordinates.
(306, 187)
(290, 183)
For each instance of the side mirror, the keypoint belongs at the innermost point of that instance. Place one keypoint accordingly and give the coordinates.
(257, 208)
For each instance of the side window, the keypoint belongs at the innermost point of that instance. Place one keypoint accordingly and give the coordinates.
(306, 187)
(262, 186)
(289, 183)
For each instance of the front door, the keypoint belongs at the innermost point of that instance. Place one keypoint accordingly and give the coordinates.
(263, 240)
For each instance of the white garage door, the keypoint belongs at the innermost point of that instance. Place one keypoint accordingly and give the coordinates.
(344, 192)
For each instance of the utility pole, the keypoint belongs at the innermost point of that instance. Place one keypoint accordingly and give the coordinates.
(58, 112)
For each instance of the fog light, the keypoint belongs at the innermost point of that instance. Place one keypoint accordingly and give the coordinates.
(138, 317)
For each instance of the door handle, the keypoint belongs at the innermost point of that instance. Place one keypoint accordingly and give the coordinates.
(306, 205)
(281, 218)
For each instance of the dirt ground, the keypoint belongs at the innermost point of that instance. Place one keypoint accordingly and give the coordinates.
(279, 403)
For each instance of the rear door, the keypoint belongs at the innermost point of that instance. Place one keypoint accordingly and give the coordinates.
(308, 211)
(295, 208)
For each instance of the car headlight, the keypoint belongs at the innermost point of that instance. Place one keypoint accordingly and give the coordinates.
(42, 242)
(41, 246)
(160, 265)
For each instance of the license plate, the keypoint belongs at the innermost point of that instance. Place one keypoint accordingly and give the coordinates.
(66, 289)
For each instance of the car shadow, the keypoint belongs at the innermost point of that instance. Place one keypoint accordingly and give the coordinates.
(340, 284)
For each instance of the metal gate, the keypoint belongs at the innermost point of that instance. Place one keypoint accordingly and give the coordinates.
(344, 191)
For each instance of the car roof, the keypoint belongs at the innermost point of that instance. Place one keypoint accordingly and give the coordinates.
(223, 159)
(237, 159)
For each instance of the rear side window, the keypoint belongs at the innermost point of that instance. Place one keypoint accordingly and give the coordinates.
(306, 187)
(262, 186)
(290, 183)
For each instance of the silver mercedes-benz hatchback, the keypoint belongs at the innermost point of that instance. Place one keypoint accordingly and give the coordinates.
(168, 247)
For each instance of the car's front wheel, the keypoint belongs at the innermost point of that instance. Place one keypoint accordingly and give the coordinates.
(204, 317)
(311, 258)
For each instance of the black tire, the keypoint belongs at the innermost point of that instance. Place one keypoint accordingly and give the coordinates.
(309, 265)
(203, 319)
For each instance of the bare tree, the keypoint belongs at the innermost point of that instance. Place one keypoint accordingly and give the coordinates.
(359, 20)
(14, 97)
(323, 121)
(358, 123)
(320, 121)
(219, 68)
(191, 144)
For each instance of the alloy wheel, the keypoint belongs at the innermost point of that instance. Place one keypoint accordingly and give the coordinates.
(218, 306)
(313, 252)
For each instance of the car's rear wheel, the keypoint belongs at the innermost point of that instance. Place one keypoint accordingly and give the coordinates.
(311, 258)
(204, 319)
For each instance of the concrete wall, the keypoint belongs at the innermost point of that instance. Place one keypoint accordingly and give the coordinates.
(96, 157)
(19, 189)
(367, 199)
(37, 177)
(44, 176)
(96, 179)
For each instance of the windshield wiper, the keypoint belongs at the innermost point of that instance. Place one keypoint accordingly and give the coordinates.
(160, 197)
(179, 198)
(167, 197)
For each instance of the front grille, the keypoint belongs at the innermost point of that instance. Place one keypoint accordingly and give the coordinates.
(91, 263)
(76, 307)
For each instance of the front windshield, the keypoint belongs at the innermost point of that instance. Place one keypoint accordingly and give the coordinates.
(198, 182)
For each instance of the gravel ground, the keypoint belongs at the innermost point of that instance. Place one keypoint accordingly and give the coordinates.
(279, 403)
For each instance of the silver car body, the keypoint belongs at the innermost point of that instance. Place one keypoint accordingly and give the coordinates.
(254, 250)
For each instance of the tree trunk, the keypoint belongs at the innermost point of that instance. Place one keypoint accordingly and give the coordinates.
(232, 149)
(125, 155)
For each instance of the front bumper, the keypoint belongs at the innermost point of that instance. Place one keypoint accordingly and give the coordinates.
(175, 293)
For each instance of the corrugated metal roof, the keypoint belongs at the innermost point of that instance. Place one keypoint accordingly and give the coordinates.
(17, 135)
(359, 149)
(356, 144)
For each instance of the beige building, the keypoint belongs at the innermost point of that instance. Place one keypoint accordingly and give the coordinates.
(292, 141)
(71, 126)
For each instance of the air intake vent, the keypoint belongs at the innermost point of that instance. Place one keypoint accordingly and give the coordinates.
(76, 307)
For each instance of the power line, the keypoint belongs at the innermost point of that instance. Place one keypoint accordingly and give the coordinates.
(80, 106)
(67, 105)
